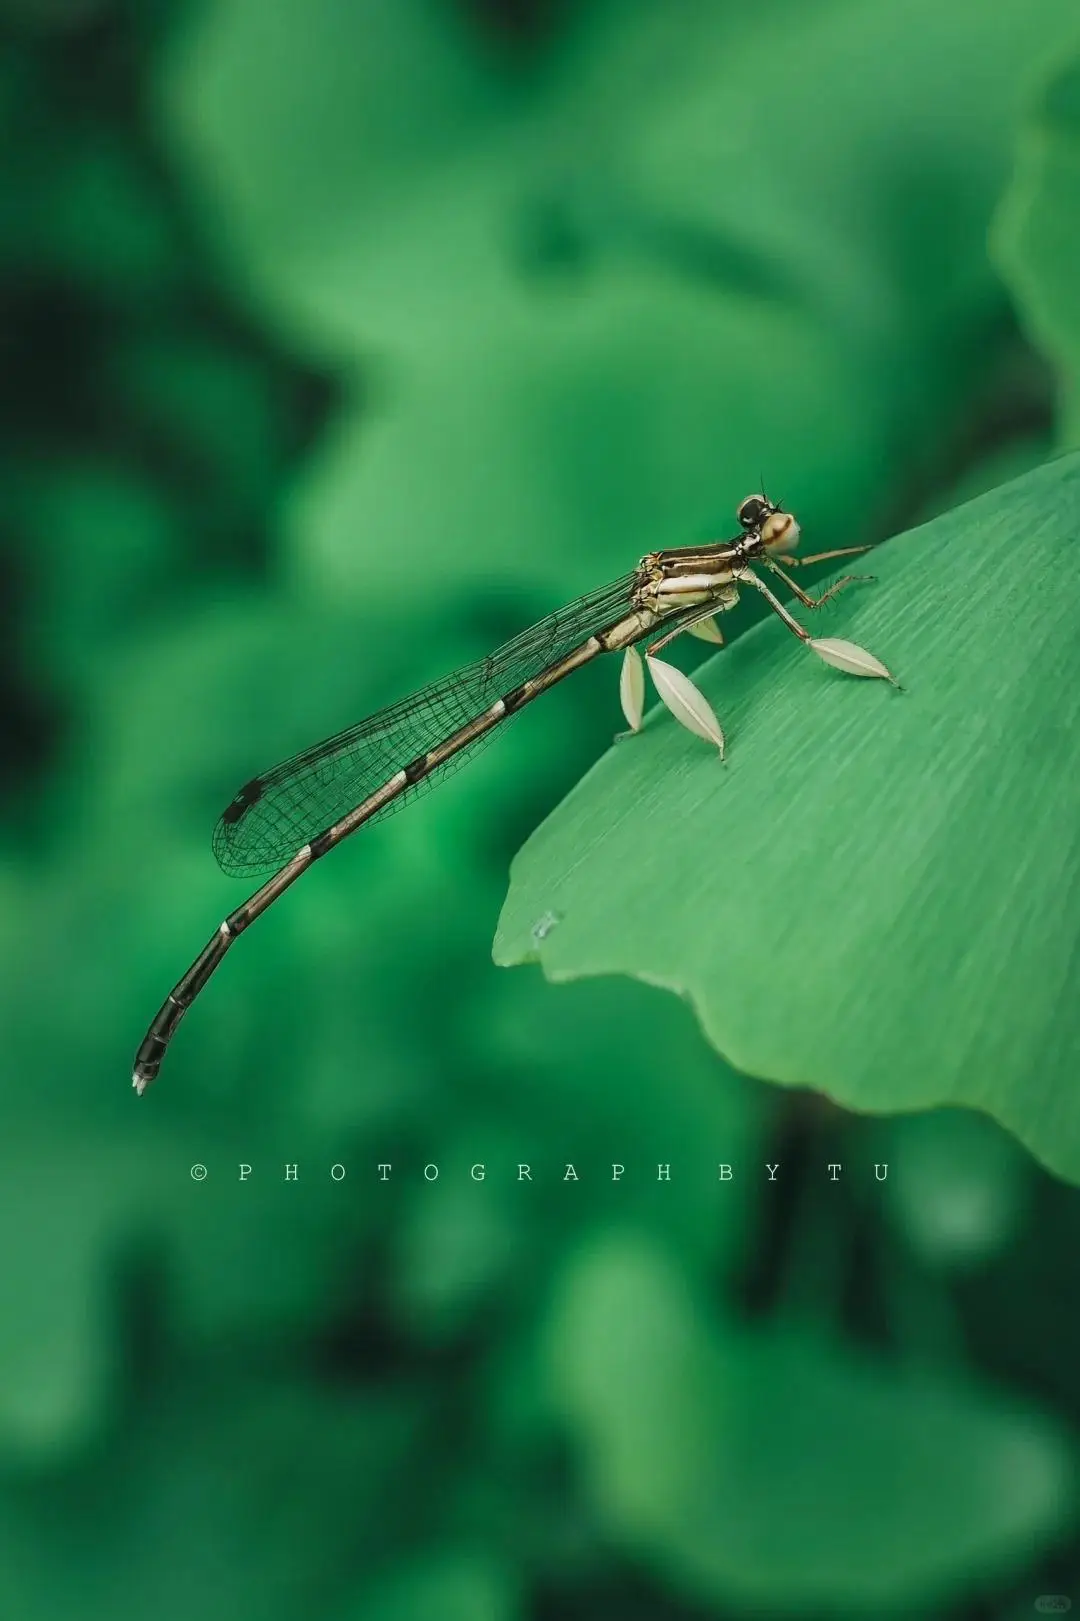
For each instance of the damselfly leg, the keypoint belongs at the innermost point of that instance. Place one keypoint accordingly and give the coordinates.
(777, 606)
(842, 655)
(789, 560)
(826, 596)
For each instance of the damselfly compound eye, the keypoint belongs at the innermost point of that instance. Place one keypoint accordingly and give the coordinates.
(752, 511)
(779, 532)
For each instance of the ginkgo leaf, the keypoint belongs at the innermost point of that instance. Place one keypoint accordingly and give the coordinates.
(1036, 236)
(686, 703)
(850, 657)
(879, 875)
(632, 688)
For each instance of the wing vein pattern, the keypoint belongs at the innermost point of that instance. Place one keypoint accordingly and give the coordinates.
(276, 813)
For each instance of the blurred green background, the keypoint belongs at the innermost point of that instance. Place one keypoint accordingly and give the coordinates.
(340, 341)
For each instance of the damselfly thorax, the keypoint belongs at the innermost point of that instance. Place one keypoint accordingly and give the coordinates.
(286, 818)
(687, 575)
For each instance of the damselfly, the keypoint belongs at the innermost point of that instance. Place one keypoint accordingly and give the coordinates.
(291, 815)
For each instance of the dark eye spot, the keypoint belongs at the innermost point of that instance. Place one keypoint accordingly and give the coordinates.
(752, 511)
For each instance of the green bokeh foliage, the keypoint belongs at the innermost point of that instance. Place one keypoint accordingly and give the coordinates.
(341, 342)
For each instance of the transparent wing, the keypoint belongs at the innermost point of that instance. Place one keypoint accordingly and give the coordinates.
(276, 813)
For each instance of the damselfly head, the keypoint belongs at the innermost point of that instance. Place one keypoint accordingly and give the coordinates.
(778, 530)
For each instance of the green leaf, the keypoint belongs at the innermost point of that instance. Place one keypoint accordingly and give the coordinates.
(958, 1188)
(785, 290)
(590, 431)
(229, 1492)
(782, 1469)
(1037, 233)
(875, 895)
(455, 1585)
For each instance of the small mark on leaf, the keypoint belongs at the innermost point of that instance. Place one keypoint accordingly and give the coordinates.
(544, 925)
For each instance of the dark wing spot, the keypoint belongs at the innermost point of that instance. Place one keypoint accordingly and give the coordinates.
(248, 795)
